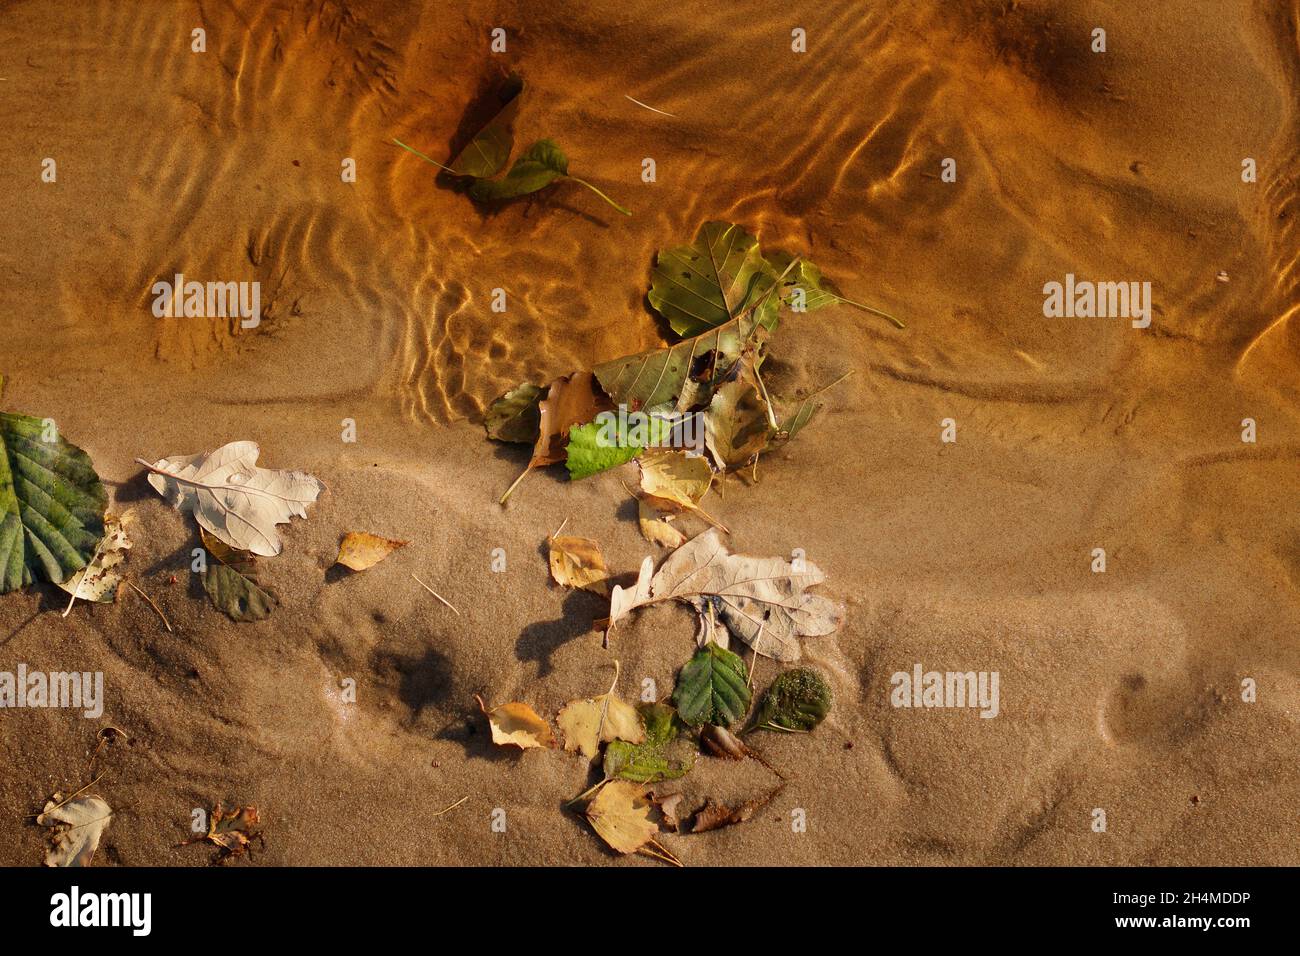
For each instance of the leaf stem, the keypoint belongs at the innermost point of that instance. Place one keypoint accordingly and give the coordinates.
(867, 308)
(412, 149)
(626, 212)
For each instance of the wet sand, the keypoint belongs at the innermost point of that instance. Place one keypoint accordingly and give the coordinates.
(1119, 691)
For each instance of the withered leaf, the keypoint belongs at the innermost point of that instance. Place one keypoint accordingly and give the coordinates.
(588, 722)
(578, 563)
(517, 725)
(76, 827)
(361, 550)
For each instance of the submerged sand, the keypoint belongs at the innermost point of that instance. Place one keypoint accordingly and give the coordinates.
(1120, 691)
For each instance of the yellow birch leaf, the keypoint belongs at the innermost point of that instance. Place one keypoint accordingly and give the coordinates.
(361, 550)
(620, 815)
(588, 722)
(578, 563)
(657, 530)
(517, 725)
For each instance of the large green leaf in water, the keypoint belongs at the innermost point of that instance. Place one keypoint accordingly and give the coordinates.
(712, 688)
(661, 756)
(486, 154)
(540, 165)
(51, 504)
(660, 377)
(708, 283)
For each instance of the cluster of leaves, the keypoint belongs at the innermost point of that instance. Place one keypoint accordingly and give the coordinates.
(723, 298)
(652, 743)
(54, 523)
(478, 165)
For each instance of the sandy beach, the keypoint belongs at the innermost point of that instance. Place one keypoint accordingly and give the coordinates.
(1123, 691)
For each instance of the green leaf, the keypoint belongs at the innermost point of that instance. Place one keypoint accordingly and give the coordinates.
(604, 443)
(539, 166)
(707, 284)
(712, 688)
(485, 155)
(232, 583)
(798, 700)
(805, 289)
(51, 504)
(690, 370)
(661, 756)
(515, 416)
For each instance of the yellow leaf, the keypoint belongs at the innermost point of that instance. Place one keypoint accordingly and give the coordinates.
(657, 530)
(676, 477)
(518, 725)
(577, 563)
(620, 815)
(361, 550)
(588, 722)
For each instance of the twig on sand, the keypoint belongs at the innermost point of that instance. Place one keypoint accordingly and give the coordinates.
(452, 807)
(649, 107)
(166, 623)
(33, 816)
(436, 594)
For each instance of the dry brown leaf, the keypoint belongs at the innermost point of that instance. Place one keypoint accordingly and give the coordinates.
(716, 815)
(518, 725)
(99, 580)
(76, 826)
(586, 723)
(232, 833)
(620, 815)
(656, 529)
(578, 563)
(763, 601)
(571, 400)
(361, 550)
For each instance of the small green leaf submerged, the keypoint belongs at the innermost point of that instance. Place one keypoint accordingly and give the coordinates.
(798, 701)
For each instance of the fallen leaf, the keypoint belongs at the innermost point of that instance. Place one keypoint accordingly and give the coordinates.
(232, 833)
(51, 504)
(656, 529)
(708, 283)
(99, 580)
(361, 550)
(660, 756)
(536, 168)
(712, 688)
(578, 563)
(805, 289)
(588, 722)
(736, 425)
(603, 444)
(620, 815)
(233, 582)
(674, 481)
(657, 377)
(76, 826)
(716, 815)
(669, 804)
(763, 601)
(517, 725)
(515, 416)
(231, 497)
(798, 700)
(721, 742)
(486, 154)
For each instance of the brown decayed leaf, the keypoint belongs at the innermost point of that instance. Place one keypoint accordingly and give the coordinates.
(716, 815)
(578, 563)
(586, 723)
(361, 550)
(231, 832)
(571, 400)
(517, 725)
(736, 425)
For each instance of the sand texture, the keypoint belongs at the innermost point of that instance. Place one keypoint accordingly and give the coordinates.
(1120, 690)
